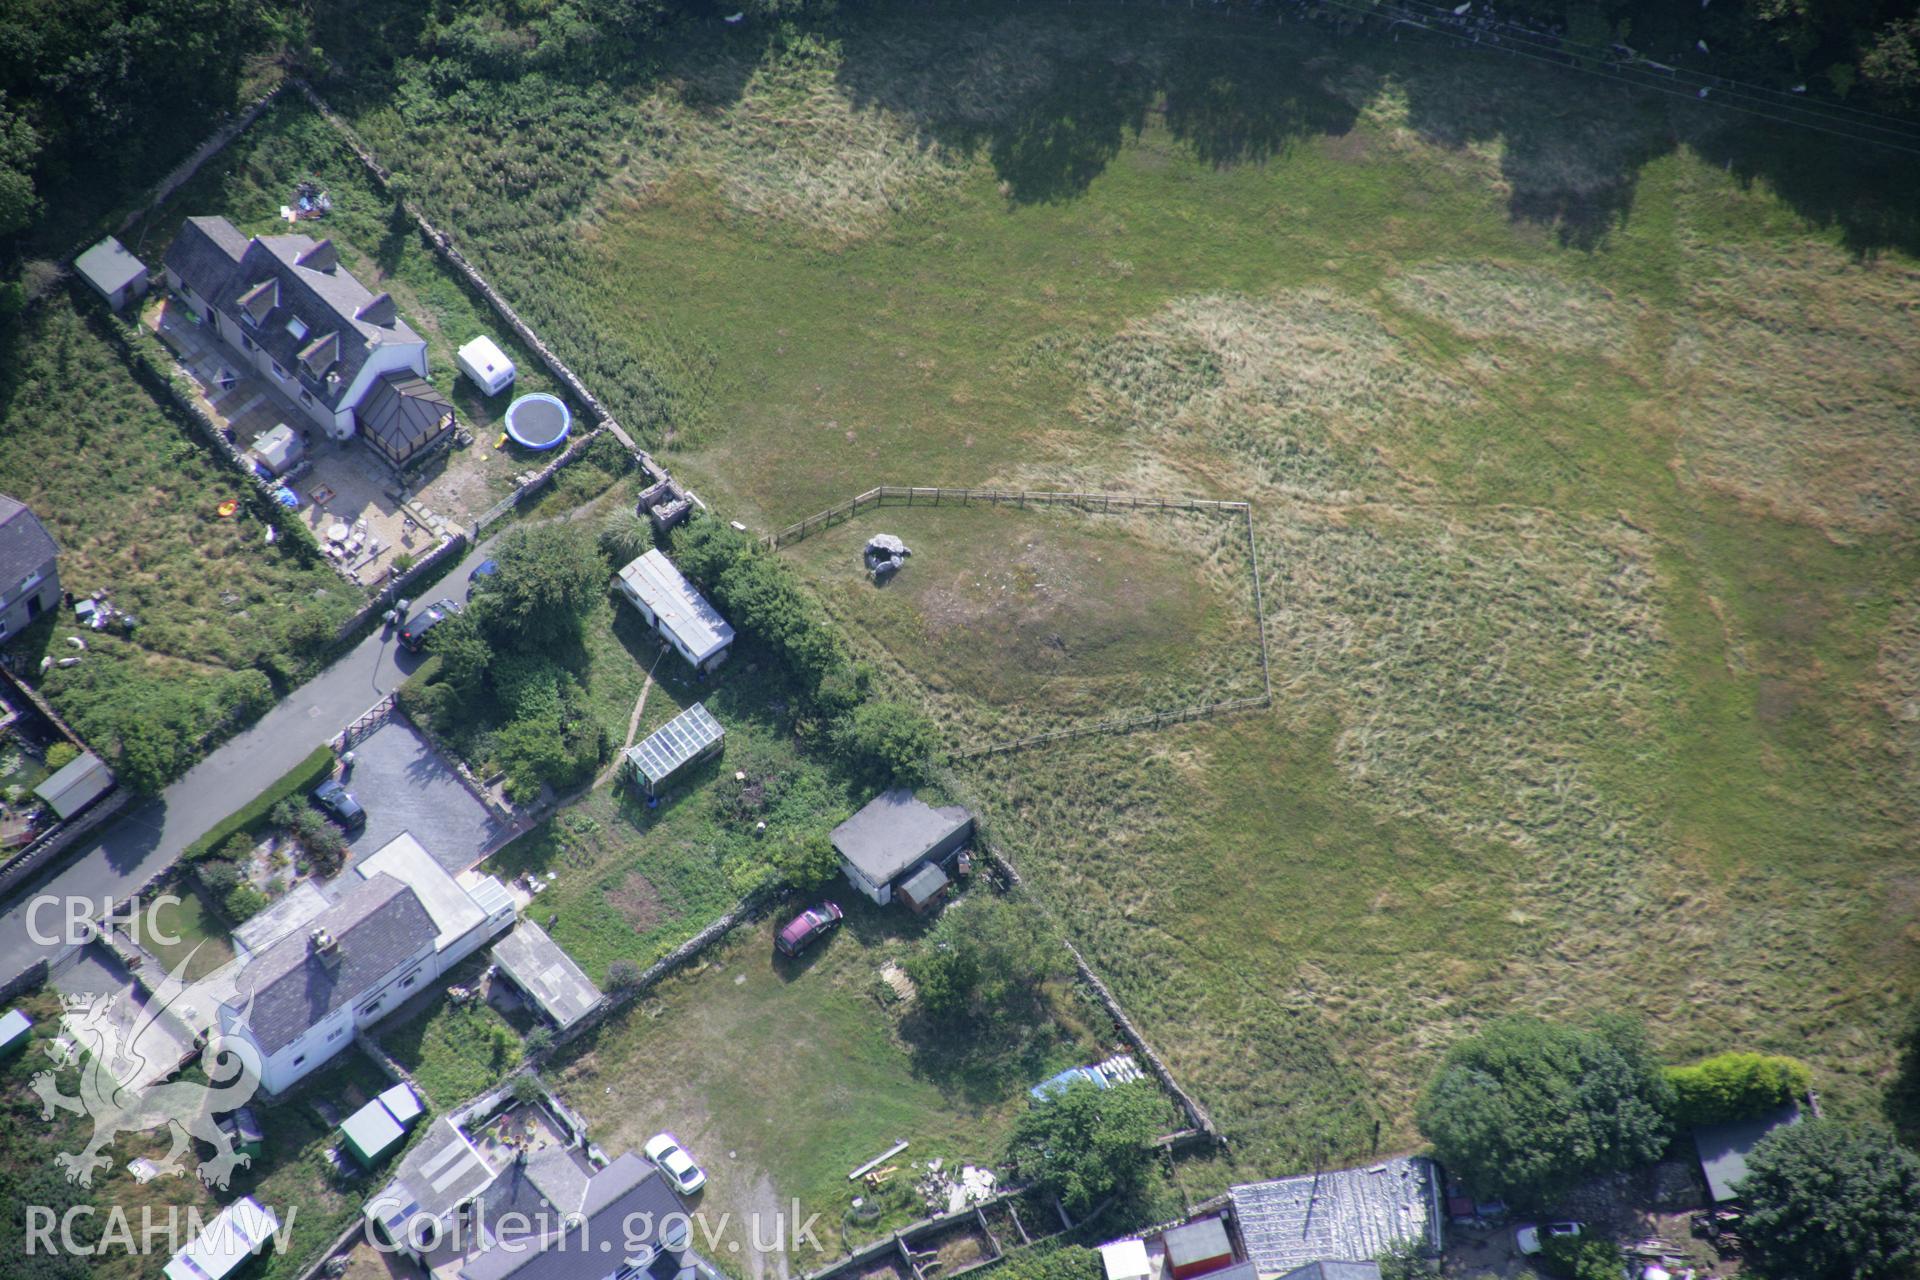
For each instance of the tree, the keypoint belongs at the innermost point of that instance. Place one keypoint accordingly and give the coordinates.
(624, 538)
(550, 576)
(1733, 1086)
(985, 962)
(19, 144)
(890, 741)
(1582, 1257)
(1526, 1108)
(463, 652)
(61, 754)
(1410, 1258)
(1088, 1143)
(1831, 1201)
(809, 861)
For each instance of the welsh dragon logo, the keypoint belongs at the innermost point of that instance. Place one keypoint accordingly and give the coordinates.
(186, 1109)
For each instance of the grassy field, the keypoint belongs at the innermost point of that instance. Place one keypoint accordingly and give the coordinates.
(782, 1077)
(1580, 431)
(289, 1176)
(129, 496)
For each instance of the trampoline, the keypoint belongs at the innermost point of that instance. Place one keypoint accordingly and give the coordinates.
(538, 420)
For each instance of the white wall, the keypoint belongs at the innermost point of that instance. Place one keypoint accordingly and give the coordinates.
(881, 893)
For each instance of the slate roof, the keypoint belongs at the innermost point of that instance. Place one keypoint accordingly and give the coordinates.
(895, 830)
(548, 975)
(376, 924)
(1724, 1148)
(275, 279)
(623, 1207)
(25, 544)
(403, 414)
(1347, 1215)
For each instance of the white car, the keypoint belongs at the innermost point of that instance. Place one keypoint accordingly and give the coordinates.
(666, 1152)
(1531, 1238)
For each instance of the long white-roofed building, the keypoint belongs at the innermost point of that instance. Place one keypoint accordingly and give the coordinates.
(675, 608)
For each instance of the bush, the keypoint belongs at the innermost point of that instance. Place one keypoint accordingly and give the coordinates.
(808, 862)
(539, 1040)
(1831, 1201)
(1048, 1262)
(623, 975)
(985, 962)
(624, 538)
(1527, 1108)
(218, 876)
(243, 902)
(526, 1088)
(1734, 1086)
(62, 754)
(255, 816)
(888, 742)
(1088, 1143)
(1582, 1257)
(550, 576)
(238, 848)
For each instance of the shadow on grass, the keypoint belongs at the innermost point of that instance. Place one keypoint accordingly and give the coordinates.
(1902, 1102)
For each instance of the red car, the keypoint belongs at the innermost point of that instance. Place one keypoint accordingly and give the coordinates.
(807, 928)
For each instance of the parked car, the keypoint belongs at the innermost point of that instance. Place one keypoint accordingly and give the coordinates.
(808, 928)
(672, 1159)
(481, 572)
(413, 636)
(338, 803)
(1532, 1239)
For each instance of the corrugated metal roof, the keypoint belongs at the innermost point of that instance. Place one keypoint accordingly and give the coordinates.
(78, 784)
(675, 742)
(1341, 1215)
(1724, 1148)
(681, 609)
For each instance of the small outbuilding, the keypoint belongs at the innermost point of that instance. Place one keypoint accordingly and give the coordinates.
(483, 361)
(546, 975)
(690, 737)
(1197, 1248)
(1126, 1260)
(241, 1230)
(113, 273)
(377, 1128)
(76, 786)
(15, 1028)
(243, 1128)
(893, 837)
(675, 608)
(277, 451)
(1724, 1148)
(924, 889)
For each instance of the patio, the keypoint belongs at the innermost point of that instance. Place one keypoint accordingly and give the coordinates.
(363, 515)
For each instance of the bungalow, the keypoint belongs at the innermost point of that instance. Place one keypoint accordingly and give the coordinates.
(299, 319)
(675, 608)
(1341, 1218)
(29, 568)
(402, 922)
(886, 847)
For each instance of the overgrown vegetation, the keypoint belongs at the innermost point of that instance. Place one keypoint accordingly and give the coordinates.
(224, 620)
(1088, 1144)
(1826, 1200)
(1734, 1086)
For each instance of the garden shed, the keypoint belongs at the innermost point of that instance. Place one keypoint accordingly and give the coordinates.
(15, 1027)
(488, 366)
(893, 837)
(277, 451)
(688, 738)
(1126, 1260)
(241, 1230)
(112, 272)
(380, 1126)
(1724, 1148)
(536, 966)
(243, 1127)
(76, 786)
(1197, 1248)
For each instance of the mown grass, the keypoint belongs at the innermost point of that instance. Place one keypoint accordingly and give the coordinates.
(781, 1077)
(290, 1175)
(129, 495)
(202, 942)
(1580, 453)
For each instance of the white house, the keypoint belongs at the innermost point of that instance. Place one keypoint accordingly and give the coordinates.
(675, 608)
(399, 921)
(299, 319)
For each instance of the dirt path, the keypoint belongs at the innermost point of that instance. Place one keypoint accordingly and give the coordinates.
(633, 721)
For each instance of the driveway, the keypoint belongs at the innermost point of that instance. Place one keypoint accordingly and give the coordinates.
(406, 786)
(114, 862)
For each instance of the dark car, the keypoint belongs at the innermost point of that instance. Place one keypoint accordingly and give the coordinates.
(413, 636)
(338, 803)
(807, 928)
(481, 572)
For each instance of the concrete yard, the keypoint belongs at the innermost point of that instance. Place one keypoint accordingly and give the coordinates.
(407, 786)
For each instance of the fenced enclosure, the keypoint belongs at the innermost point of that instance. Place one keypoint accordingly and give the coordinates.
(1088, 503)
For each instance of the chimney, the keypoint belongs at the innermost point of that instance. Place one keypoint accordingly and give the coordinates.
(322, 257)
(378, 309)
(324, 945)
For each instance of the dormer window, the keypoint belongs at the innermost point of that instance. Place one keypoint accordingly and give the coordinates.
(297, 327)
(258, 302)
